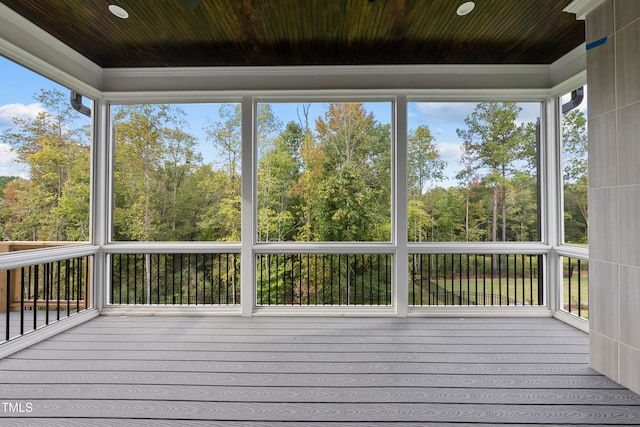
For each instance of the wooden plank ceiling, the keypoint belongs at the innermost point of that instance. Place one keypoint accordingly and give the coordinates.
(308, 32)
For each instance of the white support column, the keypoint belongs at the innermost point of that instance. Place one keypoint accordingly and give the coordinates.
(401, 257)
(551, 198)
(247, 269)
(101, 178)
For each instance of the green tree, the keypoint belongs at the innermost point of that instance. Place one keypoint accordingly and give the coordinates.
(53, 203)
(278, 172)
(494, 148)
(153, 157)
(5, 180)
(574, 173)
(225, 133)
(220, 220)
(424, 166)
(177, 201)
(311, 163)
(354, 192)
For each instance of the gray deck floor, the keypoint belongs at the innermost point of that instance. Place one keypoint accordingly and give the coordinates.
(183, 371)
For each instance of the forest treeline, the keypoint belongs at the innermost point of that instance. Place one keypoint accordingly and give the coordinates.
(324, 178)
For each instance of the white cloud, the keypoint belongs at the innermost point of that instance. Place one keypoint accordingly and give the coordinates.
(8, 165)
(456, 112)
(7, 155)
(449, 112)
(450, 151)
(23, 111)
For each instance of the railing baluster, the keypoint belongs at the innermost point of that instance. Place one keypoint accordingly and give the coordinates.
(524, 297)
(58, 293)
(46, 280)
(532, 273)
(340, 302)
(468, 273)
(307, 257)
(7, 307)
(499, 279)
(22, 281)
(35, 296)
(540, 283)
(475, 273)
(293, 279)
(78, 284)
(135, 279)
(387, 280)
(331, 273)
(507, 279)
(579, 290)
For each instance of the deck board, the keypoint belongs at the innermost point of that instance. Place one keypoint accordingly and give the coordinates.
(326, 372)
(325, 356)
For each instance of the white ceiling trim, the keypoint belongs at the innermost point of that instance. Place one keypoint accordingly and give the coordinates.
(378, 77)
(581, 8)
(28, 45)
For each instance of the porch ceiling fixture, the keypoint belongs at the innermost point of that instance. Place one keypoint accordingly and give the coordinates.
(466, 8)
(180, 33)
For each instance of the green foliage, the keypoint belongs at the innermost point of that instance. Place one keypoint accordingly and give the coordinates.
(497, 196)
(574, 172)
(495, 149)
(278, 172)
(5, 180)
(53, 204)
(424, 165)
(154, 162)
(354, 193)
(322, 179)
(332, 183)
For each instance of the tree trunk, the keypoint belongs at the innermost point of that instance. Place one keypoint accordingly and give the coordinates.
(504, 213)
(494, 220)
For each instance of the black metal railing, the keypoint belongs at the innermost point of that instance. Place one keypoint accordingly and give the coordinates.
(475, 279)
(176, 279)
(40, 294)
(323, 279)
(575, 286)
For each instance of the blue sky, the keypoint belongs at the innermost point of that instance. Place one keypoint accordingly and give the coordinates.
(18, 86)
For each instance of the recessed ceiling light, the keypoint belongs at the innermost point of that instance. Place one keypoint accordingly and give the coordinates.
(118, 11)
(465, 8)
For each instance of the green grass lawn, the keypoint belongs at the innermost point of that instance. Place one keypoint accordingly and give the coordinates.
(472, 291)
(497, 291)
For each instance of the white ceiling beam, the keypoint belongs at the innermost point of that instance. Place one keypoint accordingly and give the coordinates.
(581, 8)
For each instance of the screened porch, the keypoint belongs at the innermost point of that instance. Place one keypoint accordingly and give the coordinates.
(406, 244)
